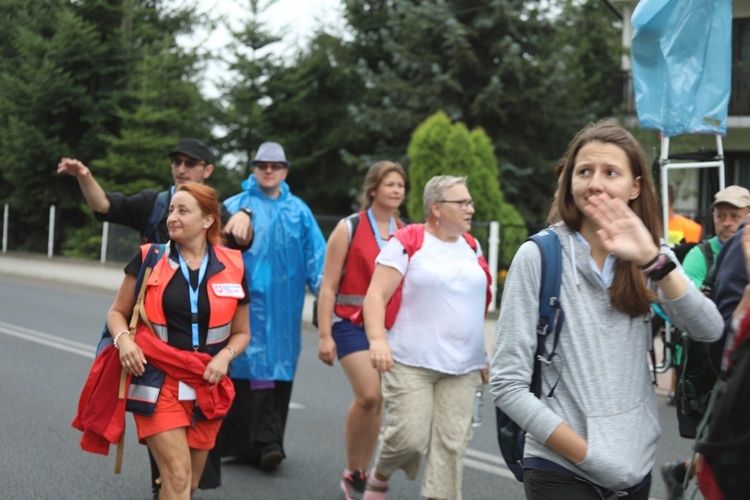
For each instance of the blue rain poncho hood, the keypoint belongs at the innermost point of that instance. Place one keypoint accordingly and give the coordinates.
(287, 252)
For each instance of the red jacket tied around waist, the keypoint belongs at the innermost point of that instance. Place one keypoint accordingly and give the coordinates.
(101, 414)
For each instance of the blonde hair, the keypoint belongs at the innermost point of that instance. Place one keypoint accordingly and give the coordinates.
(435, 189)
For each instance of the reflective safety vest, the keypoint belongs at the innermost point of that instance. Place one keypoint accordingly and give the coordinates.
(224, 285)
(359, 265)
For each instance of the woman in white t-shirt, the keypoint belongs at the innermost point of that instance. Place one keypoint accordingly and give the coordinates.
(432, 359)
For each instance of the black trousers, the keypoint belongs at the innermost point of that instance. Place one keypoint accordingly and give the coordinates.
(541, 484)
(256, 421)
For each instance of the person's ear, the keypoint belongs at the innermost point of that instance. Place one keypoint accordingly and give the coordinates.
(635, 191)
(208, 171)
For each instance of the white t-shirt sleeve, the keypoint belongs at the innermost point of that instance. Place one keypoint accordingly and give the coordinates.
(393, 255)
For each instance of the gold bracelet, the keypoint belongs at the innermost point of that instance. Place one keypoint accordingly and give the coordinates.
(234, 354)
(118, 336)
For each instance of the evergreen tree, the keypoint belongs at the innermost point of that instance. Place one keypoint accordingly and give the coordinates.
(309, 113)
(509, 67)
(43, 46)
(244, 93)
(426, 160)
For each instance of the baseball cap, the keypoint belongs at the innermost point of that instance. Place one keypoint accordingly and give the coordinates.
(271, 152)
(193, 148)
(733, 195)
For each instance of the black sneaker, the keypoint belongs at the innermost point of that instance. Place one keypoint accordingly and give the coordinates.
(672, 483)
(353, 485)
(271, 458)
(671, 401)
(155, 488)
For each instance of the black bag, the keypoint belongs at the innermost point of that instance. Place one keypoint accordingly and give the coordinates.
(727, 448)
(695, 374)
(696, 379)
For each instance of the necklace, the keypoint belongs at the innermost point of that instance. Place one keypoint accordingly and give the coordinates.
(192, 261)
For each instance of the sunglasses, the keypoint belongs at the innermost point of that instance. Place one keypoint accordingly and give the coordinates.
(273, 166)
(188, 162)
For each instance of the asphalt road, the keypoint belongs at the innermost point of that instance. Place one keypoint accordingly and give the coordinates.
(47, 337)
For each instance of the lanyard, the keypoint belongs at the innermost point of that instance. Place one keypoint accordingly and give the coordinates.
(374, 226)
(193, 293)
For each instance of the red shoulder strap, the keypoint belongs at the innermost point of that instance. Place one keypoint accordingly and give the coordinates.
(471, 241)
(411, 237)
(485, 267)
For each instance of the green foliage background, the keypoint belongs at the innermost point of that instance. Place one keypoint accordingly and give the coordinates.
(107, 82)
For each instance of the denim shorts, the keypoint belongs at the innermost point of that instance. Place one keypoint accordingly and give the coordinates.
(349, 338)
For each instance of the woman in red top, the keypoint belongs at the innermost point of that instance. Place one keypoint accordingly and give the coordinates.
(350, 261)
(197, 301)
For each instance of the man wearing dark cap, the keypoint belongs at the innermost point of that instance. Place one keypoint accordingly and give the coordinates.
(146, 212)
(730, 207)
(287, 254)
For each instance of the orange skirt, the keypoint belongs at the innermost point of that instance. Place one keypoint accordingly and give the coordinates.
(171, 413)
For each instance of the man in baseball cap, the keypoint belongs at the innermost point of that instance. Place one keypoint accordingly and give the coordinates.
(730, 207)
(191, 162)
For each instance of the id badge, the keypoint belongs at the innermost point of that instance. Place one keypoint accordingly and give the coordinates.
(232, 290)
(185, 392)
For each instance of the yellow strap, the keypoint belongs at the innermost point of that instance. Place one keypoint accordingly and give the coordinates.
(137, 312)
(120, 449)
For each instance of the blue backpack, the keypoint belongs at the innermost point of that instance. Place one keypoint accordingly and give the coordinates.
(510, 436)
(151, 231)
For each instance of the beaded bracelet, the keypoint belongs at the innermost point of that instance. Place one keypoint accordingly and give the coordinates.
(118, 336)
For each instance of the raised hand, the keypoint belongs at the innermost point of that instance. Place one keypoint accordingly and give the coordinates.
(621, 231)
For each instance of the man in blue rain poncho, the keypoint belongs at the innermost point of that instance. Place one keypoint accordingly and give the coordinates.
(288, 252)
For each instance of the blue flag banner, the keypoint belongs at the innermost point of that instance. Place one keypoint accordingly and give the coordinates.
(682, 56)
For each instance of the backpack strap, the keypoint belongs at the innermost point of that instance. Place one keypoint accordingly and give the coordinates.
(411, 238)
(551, 314)
(485, 267)
(708, 253)
(352, 222)
(151, 231)
(153, 255)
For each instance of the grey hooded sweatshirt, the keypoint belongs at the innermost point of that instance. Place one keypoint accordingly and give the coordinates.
(604, 391)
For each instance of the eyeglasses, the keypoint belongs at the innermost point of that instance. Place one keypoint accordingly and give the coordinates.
(188, 162)
(464, 204)
(273, 166)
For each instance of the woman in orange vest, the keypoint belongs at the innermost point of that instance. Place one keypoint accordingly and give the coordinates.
(350, 261)
(197, 300)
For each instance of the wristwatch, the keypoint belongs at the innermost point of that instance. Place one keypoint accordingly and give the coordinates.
(662, 271)
(248, 211)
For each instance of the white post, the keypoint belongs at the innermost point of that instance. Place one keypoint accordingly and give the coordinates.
(493, 244)
(51, 236)
(105, 238)
(5, 228)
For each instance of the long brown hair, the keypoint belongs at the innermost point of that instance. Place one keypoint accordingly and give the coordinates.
(629, 291)
(209, 204)
(375, 175)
